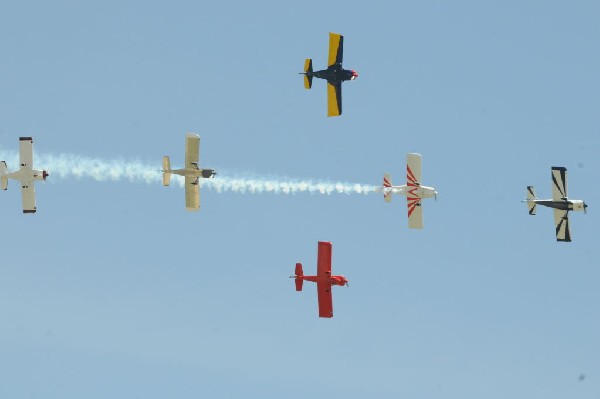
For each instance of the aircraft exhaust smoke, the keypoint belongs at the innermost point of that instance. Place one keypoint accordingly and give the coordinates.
(68, 166)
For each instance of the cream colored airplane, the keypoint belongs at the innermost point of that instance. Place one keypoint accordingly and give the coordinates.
(190, 171)
(413, 190)
(560, 203)
(26, 174)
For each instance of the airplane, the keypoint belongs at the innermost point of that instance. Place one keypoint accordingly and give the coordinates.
(413, 190)
(26, 174)
(559, 202)
(334, 74)
(191, 172)
(324, 279)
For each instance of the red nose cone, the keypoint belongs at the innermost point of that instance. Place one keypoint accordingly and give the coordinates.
(355, 74)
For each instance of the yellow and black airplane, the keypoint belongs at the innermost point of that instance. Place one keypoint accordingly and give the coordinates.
(334, 74)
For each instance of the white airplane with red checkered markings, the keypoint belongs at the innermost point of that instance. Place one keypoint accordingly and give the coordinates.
(414, 191)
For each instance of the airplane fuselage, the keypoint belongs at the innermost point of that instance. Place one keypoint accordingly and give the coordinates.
(28, 175)
(564, 205)
(334, 74)
(411, 191)
(204, 173)
(333, 280)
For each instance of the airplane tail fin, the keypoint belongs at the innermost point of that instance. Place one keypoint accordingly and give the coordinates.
(387, 184)
(166, 171)
(308, 70)
(299, 273)
(530, 200)
(3, 173)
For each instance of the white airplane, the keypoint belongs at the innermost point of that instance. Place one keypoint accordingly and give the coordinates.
(191, 172)
(559, 202)
(413, 190)
(26, 174)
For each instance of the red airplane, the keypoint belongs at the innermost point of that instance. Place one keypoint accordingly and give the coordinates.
(324, 279)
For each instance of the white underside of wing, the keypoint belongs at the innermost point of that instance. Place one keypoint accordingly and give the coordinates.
(26, 153)
(28, 197)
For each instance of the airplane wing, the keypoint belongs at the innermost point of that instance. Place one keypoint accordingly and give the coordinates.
(336, 49)
(192, 150)
(324, 259)
(324, 289)
(325, 300)
(334, 99)
(413, 168)
(192, 194)
(561, 221)
(559, 183)
(26, 152)
(415, 212)
(28, 197)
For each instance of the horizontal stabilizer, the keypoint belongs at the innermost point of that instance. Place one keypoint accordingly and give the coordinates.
(308, 65)
(299, 273)
(166, 164)
(3, 173)
(166, 178)
(387, 184)
(531, 206)
(166, 171)
(307, 82)
(308, 71)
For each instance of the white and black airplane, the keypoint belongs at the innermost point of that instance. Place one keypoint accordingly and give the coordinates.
(559, 202)
(413, 190)
(26, 174)
(190, 171)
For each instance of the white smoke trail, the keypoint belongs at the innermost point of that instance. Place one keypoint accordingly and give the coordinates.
(67, 166)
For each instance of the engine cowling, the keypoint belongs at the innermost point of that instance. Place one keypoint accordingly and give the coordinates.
(207, 173)
(40, 175)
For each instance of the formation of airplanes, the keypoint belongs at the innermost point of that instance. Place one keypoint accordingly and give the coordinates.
(413, 190)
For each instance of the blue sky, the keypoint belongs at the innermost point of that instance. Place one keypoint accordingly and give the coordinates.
(113, 290)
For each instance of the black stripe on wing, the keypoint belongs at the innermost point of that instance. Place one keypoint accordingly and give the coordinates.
(563, 224)
(562, 186)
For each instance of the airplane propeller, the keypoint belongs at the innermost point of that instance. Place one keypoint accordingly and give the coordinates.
(585, 208)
